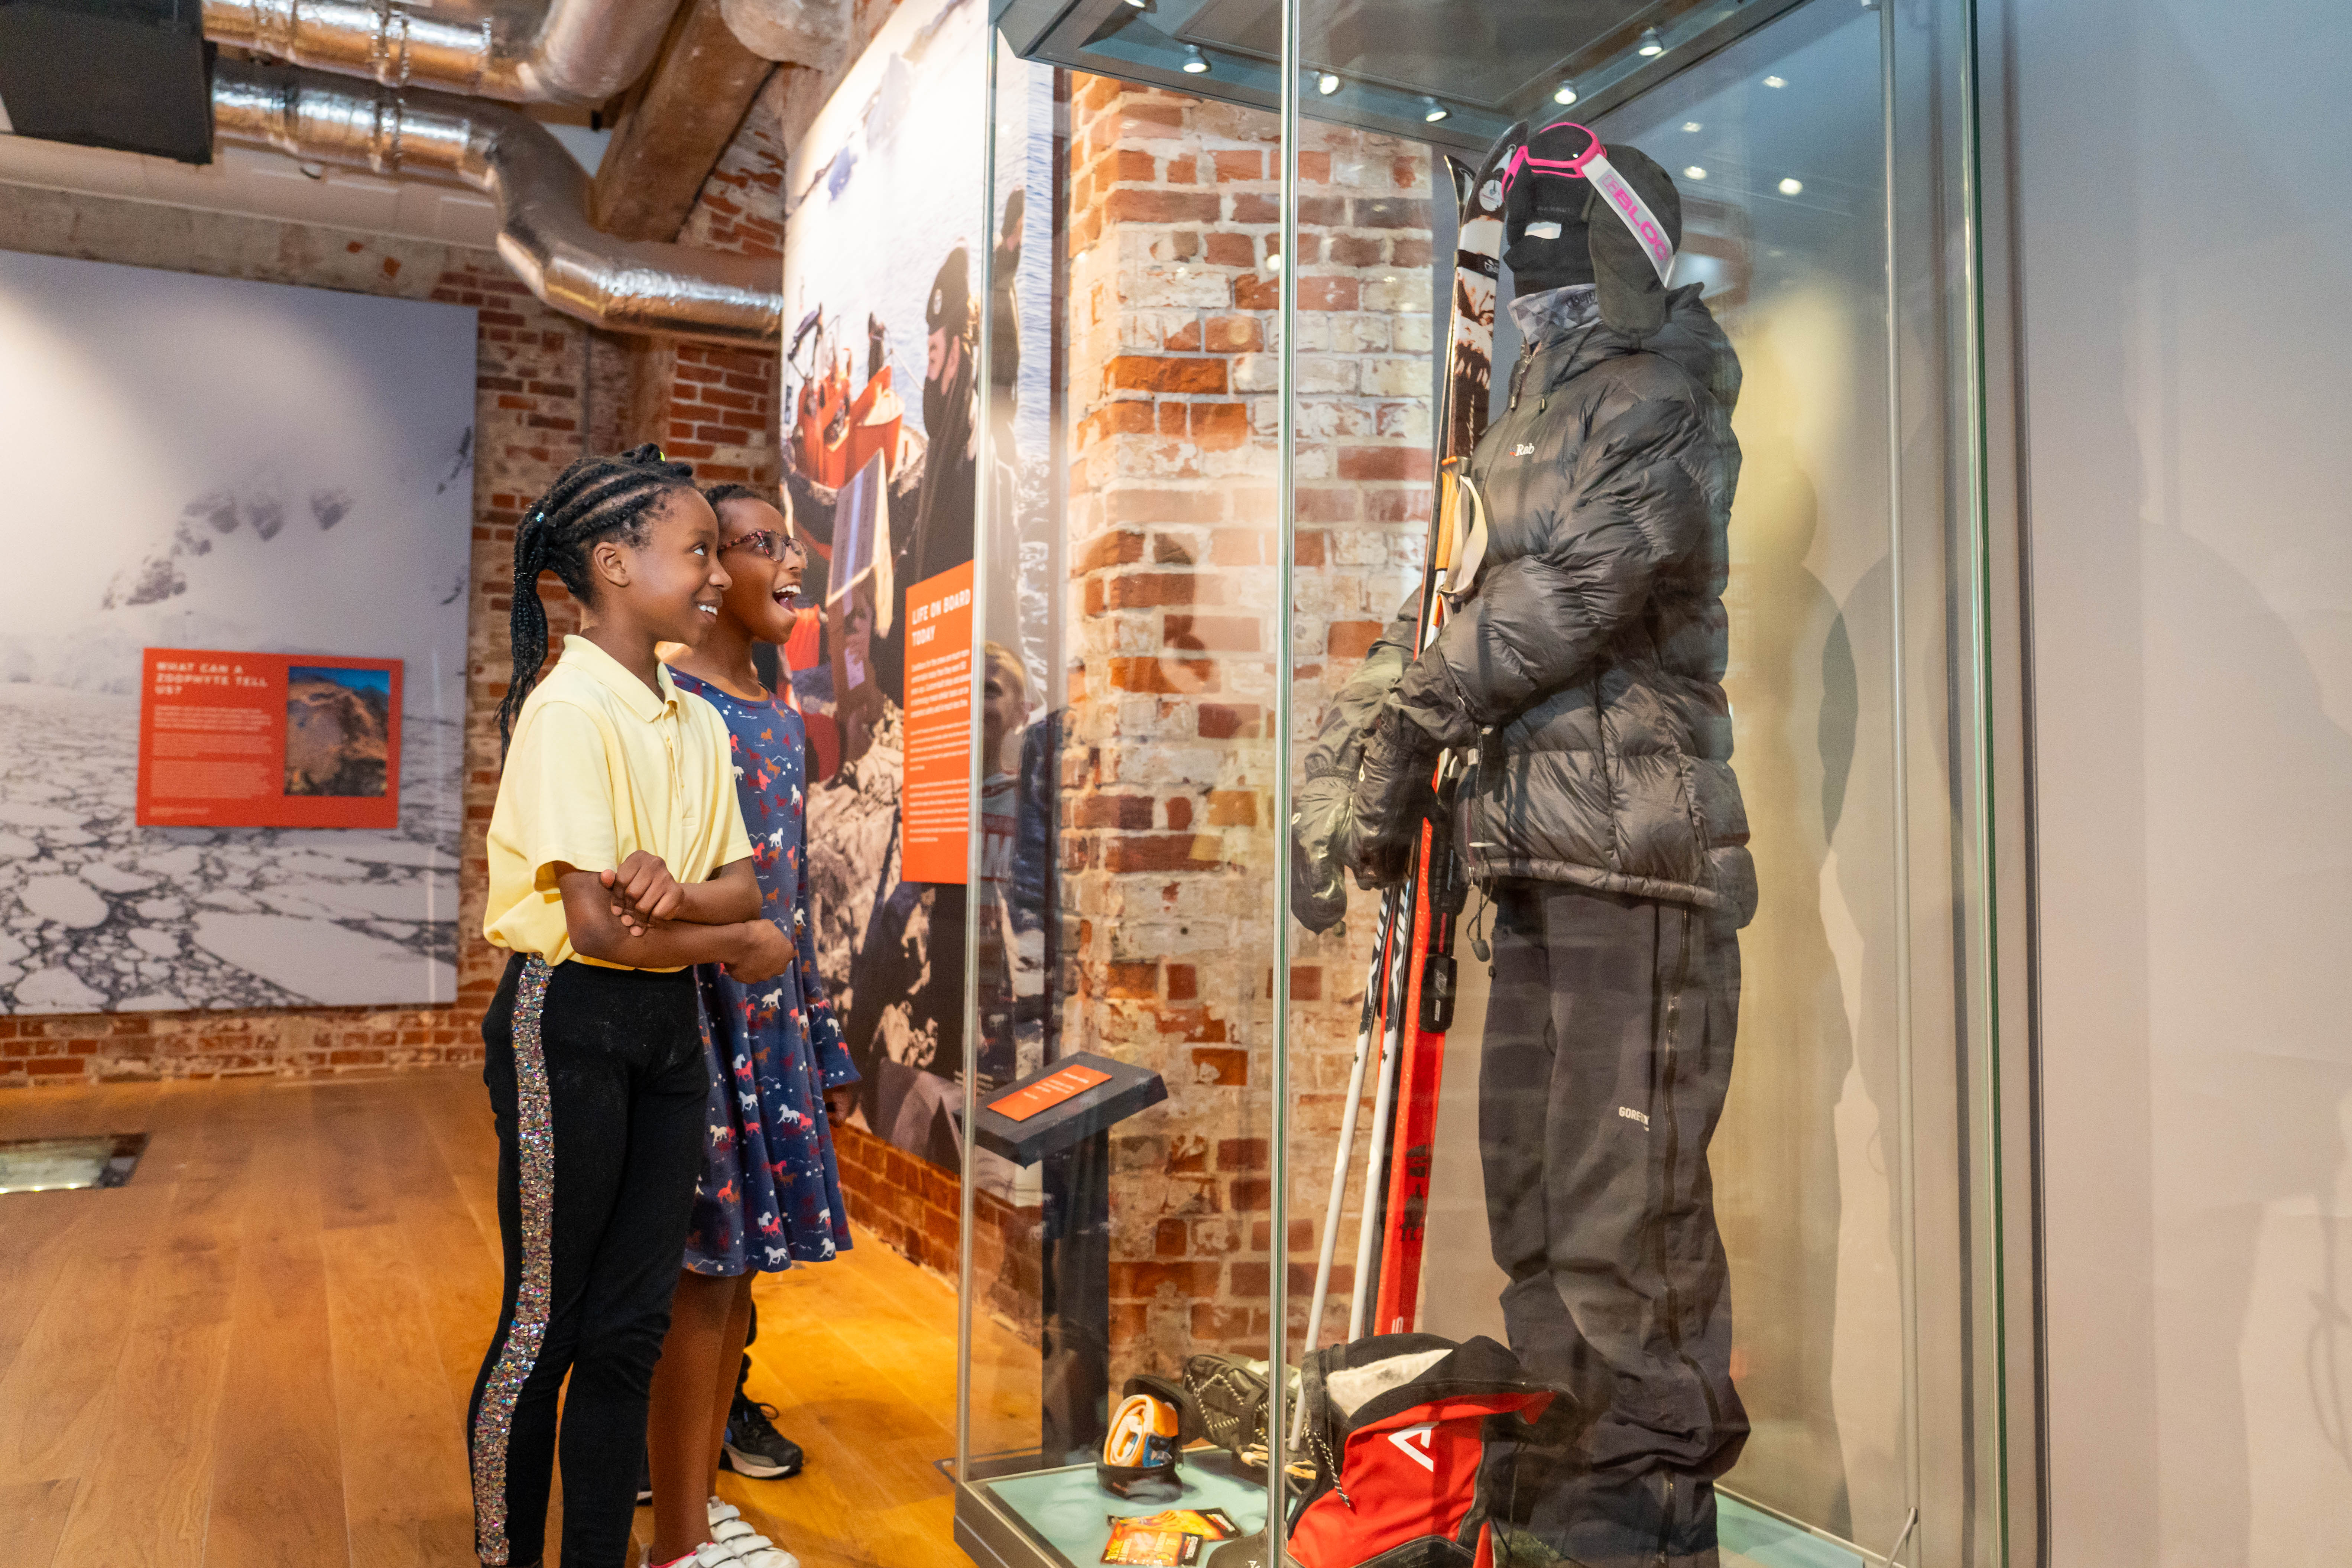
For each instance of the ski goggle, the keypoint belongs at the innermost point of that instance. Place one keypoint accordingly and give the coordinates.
(1593, 164)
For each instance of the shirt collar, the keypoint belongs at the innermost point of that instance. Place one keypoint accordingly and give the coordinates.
(594, 660)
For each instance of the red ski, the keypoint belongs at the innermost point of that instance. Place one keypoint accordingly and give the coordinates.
(1439, 882)
(1411, 978)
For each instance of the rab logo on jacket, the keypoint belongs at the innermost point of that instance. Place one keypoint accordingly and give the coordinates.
(1413, 1444)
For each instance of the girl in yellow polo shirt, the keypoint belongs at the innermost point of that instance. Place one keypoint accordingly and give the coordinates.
(617, 859)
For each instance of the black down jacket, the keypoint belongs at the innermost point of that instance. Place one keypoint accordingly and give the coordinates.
(1592, 652)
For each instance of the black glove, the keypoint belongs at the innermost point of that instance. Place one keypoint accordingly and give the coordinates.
(1320, 815)
(1392, 796)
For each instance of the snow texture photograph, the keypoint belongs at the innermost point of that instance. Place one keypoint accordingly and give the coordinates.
(209, 464)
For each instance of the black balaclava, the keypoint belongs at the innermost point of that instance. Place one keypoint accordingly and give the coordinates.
(1593, 244)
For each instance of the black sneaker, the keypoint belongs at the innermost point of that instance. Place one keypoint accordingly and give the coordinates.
(753, 1447)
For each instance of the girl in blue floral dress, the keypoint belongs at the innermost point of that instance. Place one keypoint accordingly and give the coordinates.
(769, 1195)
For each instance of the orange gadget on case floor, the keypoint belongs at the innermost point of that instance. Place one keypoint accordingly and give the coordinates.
(1149, 1428)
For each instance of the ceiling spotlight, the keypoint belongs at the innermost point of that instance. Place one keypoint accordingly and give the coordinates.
(1141, 5)
(1775, 81)
(1651, 45)
(1692, 126)
(1793, 187)
(1436, 111)
(1327, 83)
(1693, 172)
(1195, 62)
(1565, 93)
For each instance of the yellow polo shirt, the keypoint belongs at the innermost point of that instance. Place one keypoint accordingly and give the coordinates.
(598, 769)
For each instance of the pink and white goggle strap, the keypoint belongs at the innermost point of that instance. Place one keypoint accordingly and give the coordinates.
(1593, 164)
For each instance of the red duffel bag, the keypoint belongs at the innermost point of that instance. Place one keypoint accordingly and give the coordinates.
(1412, 1437)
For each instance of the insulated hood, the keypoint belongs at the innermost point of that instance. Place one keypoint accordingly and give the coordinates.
(1561, 228)
(625, 286)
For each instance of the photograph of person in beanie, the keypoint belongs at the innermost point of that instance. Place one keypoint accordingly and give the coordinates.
(941, 536)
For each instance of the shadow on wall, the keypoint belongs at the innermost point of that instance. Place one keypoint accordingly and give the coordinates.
(2249, 795)
(1776, 1157)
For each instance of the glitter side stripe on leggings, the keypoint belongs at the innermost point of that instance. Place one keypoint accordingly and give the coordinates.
(535, 1190)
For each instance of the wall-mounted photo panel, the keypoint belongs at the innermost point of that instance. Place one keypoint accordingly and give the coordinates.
(232, 641)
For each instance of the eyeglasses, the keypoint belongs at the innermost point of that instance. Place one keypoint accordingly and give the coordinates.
(769, 542)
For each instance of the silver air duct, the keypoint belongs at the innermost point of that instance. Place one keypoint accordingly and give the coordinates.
(813, 33)
(576, 51)
(626, 286)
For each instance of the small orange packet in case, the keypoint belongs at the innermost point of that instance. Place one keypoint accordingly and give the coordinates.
(1138, 1543)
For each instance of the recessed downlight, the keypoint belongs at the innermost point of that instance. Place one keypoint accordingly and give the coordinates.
(1693, 172)
(1793, 187)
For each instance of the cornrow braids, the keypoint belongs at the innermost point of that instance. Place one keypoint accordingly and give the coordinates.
(719, 495)
(595, 498)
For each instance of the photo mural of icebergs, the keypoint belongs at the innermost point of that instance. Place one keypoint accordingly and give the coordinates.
(204, 463)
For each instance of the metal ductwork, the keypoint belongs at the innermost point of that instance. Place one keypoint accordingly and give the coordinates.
(574, 51)
(813, 33)
(626, 286)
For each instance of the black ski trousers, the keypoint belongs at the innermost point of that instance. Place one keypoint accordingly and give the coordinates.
(1607, 1055)
(599, 1085)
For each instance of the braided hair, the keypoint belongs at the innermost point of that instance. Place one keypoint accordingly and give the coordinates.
(719, 495)
(595, 498)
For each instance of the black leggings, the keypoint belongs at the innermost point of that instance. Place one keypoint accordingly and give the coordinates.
(598, 1082)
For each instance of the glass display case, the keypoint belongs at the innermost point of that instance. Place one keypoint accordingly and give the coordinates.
(1669, 1066)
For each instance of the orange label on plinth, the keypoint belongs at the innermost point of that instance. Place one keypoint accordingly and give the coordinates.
(1047, 1092)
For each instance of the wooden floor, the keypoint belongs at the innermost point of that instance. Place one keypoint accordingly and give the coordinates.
(259, 1351)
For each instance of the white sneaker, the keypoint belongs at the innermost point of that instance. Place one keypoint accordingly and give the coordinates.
(722, 1511)
(710, 1554)
(751, 1548)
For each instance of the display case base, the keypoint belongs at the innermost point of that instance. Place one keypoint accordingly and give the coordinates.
(1015, 1514)
(1012, 1514)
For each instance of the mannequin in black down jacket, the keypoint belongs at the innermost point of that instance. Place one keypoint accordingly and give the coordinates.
(1603, 817)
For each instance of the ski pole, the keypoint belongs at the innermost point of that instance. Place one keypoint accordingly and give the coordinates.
(1345, 1155)
(1383, 1100)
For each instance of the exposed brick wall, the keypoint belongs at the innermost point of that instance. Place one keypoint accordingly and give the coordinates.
(1167, 846)
(713, 406)
(903, 1198)
(910, 1206)
(721, 414)
(742, 207)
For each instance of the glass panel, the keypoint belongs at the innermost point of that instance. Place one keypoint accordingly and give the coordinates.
(1124, 920)
(1777, 144)
(1711, 707)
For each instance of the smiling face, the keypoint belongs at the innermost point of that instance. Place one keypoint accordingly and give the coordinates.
(763, 595)
(673, 583)
(1004, 707)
